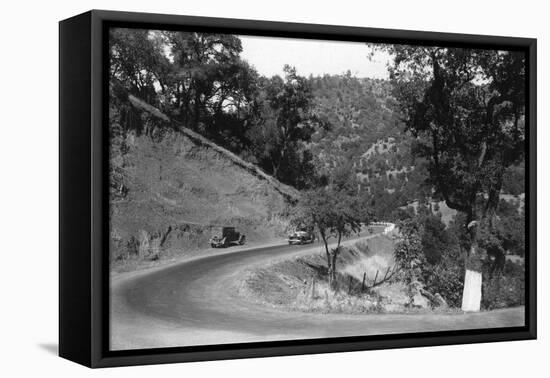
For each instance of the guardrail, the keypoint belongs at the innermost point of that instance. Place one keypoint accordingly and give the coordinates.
(388, 226)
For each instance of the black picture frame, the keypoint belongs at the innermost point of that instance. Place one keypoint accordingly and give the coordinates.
(83, 196)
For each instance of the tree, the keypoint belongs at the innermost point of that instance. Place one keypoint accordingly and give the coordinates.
(137, 61)
(435, 238)
(197, 79)
(466, 107)
(286, 122)
(208, 76)
(334, 211)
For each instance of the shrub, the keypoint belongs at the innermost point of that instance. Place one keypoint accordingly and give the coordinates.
(435, 239)
(506, 289)
(431, 254)
(409, 258)
(428, 253)
(447, 280)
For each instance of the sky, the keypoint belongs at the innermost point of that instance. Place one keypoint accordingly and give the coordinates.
(268, 55)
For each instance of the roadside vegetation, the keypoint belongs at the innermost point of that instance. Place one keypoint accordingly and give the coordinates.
(418, 269)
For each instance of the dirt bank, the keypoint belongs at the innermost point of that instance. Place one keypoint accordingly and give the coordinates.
(367, 283)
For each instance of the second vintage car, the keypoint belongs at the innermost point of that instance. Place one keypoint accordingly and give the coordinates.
(301, 237)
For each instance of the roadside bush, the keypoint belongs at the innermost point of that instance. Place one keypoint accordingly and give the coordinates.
(446, 280)
(435, 239)
(431, 254)
(506, 289)
(408, 254)
(428, 253)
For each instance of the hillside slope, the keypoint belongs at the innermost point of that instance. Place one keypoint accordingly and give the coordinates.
(171, 188)
(367, 130)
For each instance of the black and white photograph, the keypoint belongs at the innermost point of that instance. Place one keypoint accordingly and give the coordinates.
(271, 189)
(256, 189)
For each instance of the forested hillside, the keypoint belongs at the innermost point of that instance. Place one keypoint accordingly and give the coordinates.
(366, 130)
(360, 113)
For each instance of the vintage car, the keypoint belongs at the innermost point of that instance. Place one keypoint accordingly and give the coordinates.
(301, 237)
(227, 237)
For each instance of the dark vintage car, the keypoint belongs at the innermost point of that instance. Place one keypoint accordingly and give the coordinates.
(227, 237)
(301, 237)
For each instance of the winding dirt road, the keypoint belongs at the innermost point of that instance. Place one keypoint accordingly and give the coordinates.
(196, 302)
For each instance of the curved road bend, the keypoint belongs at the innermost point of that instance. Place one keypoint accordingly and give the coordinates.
(197, 303)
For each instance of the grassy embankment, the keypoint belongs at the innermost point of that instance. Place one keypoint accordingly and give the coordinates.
(300, 283)
(177, 188)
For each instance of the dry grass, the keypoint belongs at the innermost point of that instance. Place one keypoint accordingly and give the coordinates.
(300, 283)
(176, 191)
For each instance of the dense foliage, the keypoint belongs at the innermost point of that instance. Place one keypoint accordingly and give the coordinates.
(200, 81)
(431, 254)
(466, 108)
(506, 289)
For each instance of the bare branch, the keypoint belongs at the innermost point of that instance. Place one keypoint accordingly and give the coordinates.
(390, 272)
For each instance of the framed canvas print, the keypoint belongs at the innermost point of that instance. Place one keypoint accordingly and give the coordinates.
(233, 188)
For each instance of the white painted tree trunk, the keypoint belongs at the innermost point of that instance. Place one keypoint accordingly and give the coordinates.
(471, 297)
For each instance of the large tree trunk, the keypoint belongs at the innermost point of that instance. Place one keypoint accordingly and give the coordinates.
(471, 296)
(197, 112)
(332, 270)
(330, 267)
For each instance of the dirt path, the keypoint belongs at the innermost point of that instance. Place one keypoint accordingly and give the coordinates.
(196, 302)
